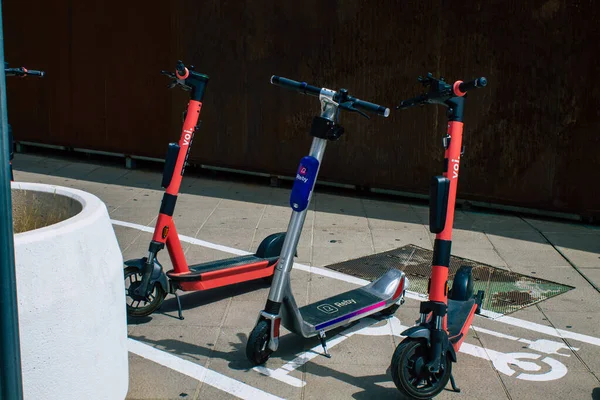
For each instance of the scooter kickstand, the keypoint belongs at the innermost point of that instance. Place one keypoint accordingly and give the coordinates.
(453, 383)
(178, 306)
(324, 344)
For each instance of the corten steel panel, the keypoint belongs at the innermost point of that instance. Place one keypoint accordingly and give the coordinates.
(103, 89)
(531, 135)
(120, 100)
(89, 52)
(528, 134)
(138, 102)
(249, 123)
(37, 35)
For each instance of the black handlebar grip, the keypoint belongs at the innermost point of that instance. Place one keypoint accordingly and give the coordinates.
(35, 73)
(371, 107)
(474, 84)
(301, 87)
(180, 68)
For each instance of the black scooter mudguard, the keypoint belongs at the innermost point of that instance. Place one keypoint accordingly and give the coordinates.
(462, 284)
(157, 272)
(423, 332)
(271, 246)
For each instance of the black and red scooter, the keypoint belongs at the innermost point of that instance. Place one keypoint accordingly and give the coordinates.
(145, 281)
(422, 363)
(20, 72)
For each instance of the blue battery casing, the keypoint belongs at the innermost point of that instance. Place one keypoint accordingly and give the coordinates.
(304, 182)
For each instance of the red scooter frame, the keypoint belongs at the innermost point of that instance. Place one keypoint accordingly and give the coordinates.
(422, 363)
(148, 284)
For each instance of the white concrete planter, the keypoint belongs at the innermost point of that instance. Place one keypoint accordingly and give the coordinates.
(71, 294)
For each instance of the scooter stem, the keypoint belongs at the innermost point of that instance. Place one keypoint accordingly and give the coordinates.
(437, 339)
(142, 289)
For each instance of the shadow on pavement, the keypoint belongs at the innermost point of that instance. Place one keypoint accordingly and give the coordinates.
(236, 358)
(192, 300)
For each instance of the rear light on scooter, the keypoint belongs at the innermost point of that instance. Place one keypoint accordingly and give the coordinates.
(401, 288)
(276, 325)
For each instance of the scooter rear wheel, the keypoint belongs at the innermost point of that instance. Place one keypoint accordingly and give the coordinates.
(410, 374)
(138, 306)
(257, 349)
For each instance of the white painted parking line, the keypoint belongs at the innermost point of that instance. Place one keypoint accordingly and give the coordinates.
(203, 374)
(532, 326)
(183, 238)
(282, 373)
(541, 345)
(530, 363)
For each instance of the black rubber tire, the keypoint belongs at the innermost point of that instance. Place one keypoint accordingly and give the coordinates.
(256, 349)
(410, 353)
(391, 310)
(153, 305)
(462, 284)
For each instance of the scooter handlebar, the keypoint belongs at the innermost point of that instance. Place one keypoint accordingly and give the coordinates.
(300, 87)
(304, 88)
(372, 107)
(474, 84)
(23, 72)
(441, 91)
(33, 72)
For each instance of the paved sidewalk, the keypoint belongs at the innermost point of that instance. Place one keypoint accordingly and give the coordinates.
(511, 358)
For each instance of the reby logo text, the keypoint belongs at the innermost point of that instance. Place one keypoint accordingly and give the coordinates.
(301, 178)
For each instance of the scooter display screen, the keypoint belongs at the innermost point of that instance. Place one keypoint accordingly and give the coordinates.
(304, 182)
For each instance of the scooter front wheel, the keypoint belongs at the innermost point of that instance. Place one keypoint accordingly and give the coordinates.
(257, 349)
(138, 306)
(411, 375)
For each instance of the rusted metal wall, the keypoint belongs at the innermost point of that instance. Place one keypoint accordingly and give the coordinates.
(531, 135)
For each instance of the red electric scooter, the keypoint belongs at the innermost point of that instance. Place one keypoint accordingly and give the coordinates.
(21, 72)
(422, 363)
(145, 281)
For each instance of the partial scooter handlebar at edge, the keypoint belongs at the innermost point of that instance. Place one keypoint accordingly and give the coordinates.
(23, 72)
(340, 96)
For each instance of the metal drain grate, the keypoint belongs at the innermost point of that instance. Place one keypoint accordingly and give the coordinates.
(505, 291)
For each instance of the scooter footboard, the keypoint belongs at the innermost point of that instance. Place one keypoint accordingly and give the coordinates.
(341, 309)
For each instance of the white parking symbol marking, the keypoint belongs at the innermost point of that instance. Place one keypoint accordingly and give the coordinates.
(502, 362)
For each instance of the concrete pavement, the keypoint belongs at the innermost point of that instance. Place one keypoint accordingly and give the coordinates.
(550, 350)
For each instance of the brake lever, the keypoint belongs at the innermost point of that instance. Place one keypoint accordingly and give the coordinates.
(348, 106)
(176, 81)
(427, 80)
